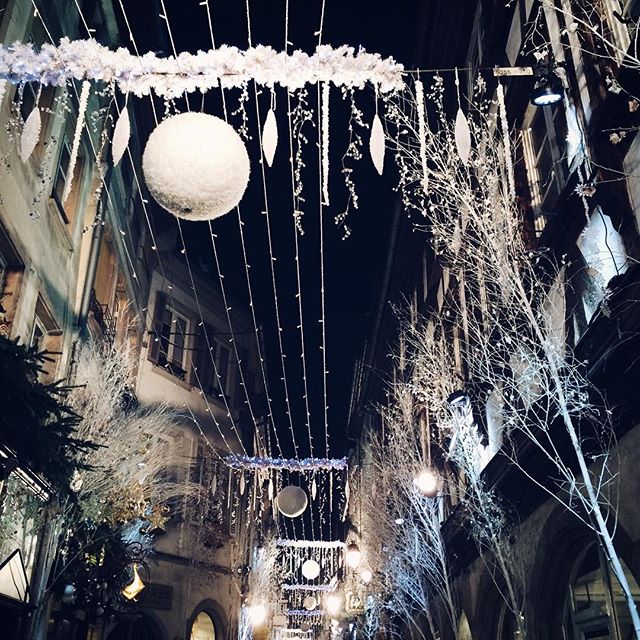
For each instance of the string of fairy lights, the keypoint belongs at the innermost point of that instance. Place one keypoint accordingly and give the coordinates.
(167, 288)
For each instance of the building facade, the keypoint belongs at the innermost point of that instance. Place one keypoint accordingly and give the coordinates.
(589, 137)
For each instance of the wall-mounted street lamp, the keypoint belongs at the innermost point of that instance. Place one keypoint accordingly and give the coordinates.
(548, 88)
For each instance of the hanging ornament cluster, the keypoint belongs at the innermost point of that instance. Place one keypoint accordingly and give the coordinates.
(196, 166)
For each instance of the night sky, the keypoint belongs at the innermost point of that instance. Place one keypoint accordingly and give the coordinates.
(403, 29)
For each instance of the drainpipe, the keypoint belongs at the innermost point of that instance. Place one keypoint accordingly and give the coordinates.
(92, 265)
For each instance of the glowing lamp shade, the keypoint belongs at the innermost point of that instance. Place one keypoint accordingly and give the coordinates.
(196, 166)
(135, 587)
(427, 483)
(310, 569)
(333, 604)
(353, 555)
(258, 614)
(366, 576)
(548, 90)
(292, 501)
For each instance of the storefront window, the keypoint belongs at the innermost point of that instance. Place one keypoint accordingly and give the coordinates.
(597, 606)
(202, 627)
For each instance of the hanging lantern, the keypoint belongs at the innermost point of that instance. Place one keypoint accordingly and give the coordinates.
(135, 586)
(196, 166)
(353, 555)
(310, 569)
(291, 501)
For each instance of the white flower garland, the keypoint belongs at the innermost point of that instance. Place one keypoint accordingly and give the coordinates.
(306, 464)
(172, 76)
(310, 544)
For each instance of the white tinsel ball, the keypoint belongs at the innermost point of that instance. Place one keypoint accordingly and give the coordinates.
(196, 166)
(310, 569)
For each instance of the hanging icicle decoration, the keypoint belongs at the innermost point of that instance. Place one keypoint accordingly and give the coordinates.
(31, 130)
(462, 131)
(121, 135)
(270, 489)
(314, 488)
(82, 108)
(242, 481)
(325, 144)
(506, 140)
(422, 133)
(270, 134)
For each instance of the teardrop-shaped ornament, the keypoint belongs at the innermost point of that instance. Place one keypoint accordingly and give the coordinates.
(377, 144)
(270, 137)
(242, 484)
(347, 490)
(121, 135)
(314, 489)
(30, 134)
(463, 137)
(270, 489)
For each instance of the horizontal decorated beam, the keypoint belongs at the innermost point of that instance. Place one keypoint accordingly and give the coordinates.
(172, 76)
(284, 464)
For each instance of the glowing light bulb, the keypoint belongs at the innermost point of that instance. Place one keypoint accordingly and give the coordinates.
(258, 614)
(353, 555)
(366, 576)
(333, 604)
(427, 483)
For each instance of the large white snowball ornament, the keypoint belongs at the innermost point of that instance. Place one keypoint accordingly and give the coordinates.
(310, 569)
(196, 166)
(292, 501)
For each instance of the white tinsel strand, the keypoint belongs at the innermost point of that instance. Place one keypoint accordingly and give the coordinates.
(422, 133)
(325, 143)
(82, 108)
(507, 141)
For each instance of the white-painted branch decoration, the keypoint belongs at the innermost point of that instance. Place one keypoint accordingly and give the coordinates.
(325, 143)
(422, 134)
(377, 144)
(463, 137)
(82, 109)
(30, 133)
(171, 77)
(270, 137)
(507, 141)
(121, 135)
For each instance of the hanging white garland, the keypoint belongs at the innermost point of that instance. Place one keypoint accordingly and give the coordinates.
(173, 76)
(305, 464)
(507, 141)
(311, 544)
(82, 109)
(325, 144)
(308, 587)
(422, 133)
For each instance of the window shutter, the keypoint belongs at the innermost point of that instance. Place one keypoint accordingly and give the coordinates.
(153, 352)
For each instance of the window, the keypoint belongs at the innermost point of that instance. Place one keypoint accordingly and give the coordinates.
(63, 176)
(38, 334)
(45, 336)
(543, 142)
(596, 607)
(174, 330)
(202, 627)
